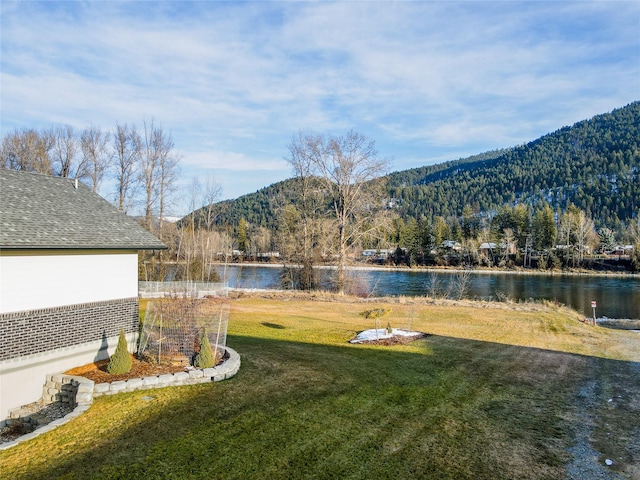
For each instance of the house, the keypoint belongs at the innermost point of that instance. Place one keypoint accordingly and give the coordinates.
(378, 253)
(451, 245)
(68, 280)
(487, 248)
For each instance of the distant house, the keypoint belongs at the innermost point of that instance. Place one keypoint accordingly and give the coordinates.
(68, 280)
(622, 250)
(378, 253)
(451, 245)
(487, 248)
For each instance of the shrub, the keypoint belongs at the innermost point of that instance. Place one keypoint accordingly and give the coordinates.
(205, 357)
(120, 362)
(376, 314)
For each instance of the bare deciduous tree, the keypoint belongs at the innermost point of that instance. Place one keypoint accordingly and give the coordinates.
(348, 170)
(64, 151)
(167, 176)
(28, 150)
(93, 143)
(158, 170)
(126, 151)
(300, 224)
(576, 232)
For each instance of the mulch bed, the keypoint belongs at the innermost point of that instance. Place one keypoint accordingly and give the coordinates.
(98, 371)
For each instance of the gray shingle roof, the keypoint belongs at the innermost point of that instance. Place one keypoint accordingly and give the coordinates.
(43, 212)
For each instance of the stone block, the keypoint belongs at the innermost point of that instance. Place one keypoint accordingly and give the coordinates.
(134, 384)
(84, 398)
(101, 388)
(181, 376)
(166, 378)
(117, 386)
(209, 372)
(150, 381)
(85, 387)
(195, 373)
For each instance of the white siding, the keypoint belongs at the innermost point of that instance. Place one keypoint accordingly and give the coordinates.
(30, 282)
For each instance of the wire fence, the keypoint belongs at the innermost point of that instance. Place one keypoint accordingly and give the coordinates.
(182, 289)
(174, 327)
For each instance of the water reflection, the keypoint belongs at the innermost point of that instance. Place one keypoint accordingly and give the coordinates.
(616, 297)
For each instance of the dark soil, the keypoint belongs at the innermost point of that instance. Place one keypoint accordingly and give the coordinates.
(98, 371)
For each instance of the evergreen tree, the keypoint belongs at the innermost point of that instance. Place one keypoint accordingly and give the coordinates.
(242, 235)
(544, 229)
(607, 239)
(205, 357)
(120, 362)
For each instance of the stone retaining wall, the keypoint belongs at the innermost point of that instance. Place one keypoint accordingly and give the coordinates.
(78, 392)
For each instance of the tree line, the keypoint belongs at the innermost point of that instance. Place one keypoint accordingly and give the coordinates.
(141, 163)
(506, 208)
(331, 212)
(516, 236)
(141, 166)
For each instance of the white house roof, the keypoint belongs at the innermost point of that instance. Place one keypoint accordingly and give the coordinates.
(44, 212)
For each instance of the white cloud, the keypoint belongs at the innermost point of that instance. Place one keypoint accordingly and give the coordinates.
(231, 161)
(234, 81)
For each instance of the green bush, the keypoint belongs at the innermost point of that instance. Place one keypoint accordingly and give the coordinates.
(205, 357)
(120, 362)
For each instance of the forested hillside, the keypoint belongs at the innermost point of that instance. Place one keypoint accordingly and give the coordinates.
(256, 208)
(594, 165)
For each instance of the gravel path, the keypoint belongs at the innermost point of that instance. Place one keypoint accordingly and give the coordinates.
(585, 462)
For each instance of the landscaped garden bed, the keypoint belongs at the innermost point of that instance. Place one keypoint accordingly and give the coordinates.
(98, 371)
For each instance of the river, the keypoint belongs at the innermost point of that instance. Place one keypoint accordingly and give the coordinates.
(615, 296)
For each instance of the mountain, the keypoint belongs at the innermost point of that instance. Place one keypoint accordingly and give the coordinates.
(594, 165)
(256, 208)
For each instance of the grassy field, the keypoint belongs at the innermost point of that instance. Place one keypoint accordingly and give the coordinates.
(494, 392)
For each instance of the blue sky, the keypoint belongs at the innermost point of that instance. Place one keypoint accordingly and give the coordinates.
(234, 81)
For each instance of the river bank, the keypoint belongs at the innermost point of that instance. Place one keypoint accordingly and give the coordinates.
(616, 296)
(484, 270)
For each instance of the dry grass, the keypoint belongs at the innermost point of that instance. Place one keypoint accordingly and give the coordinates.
(492, 393)
(538, 325)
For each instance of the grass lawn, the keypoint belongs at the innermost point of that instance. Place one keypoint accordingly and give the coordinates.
(495, 392)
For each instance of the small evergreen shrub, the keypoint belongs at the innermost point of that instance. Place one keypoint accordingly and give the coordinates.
(204, 358)
(375, 314)
(120, 362)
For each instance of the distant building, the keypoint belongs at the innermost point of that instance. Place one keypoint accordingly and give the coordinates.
(378, 254)
(487, 247)
(451, 245)
(68, 280)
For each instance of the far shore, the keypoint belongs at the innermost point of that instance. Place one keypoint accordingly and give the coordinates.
(482, 270)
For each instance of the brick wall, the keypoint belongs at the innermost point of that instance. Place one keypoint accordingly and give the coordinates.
(34, 331)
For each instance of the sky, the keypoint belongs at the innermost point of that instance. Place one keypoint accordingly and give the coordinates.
(233, 82)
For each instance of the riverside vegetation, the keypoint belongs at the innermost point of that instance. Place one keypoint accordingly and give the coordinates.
(495, 391)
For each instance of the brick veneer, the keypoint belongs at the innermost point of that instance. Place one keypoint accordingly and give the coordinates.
(34, 331)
